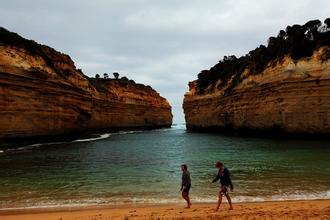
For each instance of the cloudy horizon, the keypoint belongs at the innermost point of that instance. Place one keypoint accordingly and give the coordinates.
(157, 43)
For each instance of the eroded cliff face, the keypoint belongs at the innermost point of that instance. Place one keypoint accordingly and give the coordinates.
(288, 97)
(42, 93)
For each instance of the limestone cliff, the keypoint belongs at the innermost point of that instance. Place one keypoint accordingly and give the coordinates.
(42, 93)
(288, 96)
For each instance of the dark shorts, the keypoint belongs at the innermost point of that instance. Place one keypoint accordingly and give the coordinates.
(223, 190)
(185, 191)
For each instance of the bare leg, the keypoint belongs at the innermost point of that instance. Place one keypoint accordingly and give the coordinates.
(229, 201)
(188, 201)
(219, 201)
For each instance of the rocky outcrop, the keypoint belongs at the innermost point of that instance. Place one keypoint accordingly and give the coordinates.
(42, 93)
(289, 97)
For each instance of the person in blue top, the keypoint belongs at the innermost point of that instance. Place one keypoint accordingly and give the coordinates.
(225, 183)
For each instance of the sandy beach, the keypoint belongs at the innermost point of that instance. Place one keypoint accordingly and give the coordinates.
(304, 209)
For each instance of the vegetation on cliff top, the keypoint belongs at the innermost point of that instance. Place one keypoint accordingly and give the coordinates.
(101, 84)
(15, 40)
(297, 41)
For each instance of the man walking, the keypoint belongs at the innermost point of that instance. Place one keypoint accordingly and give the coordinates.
(225, 182)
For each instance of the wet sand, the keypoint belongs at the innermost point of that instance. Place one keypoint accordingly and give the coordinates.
(304, 209)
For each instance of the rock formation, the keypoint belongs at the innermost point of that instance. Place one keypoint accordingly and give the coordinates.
(289, 96)
(42, 93)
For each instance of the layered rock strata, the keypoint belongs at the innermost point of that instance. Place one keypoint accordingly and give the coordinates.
(42, 93)
(290, 97)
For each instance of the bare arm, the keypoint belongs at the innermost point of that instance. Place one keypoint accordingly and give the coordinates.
(216, 178)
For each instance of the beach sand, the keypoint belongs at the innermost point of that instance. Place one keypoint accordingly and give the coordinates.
(305, 209)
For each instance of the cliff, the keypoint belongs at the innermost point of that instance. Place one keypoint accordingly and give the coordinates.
(291, 97)
(42, 93)
(287, 97)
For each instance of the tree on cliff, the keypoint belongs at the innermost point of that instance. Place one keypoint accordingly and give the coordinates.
(312, 25)
(105, 76)
(296, 41)
(124, 79)
(116, 75)
(327, 22)
(97, 76)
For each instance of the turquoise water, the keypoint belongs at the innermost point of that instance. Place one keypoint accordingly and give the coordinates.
(144, 167)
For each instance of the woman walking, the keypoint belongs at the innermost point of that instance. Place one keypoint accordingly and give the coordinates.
(185, 184)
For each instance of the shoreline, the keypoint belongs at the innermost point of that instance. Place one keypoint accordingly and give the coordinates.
(16, 142)
(293, 209)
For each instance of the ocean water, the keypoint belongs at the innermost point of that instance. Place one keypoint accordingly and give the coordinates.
(144, 167)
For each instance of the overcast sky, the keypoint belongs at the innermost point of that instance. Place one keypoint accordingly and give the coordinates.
(159, 43)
